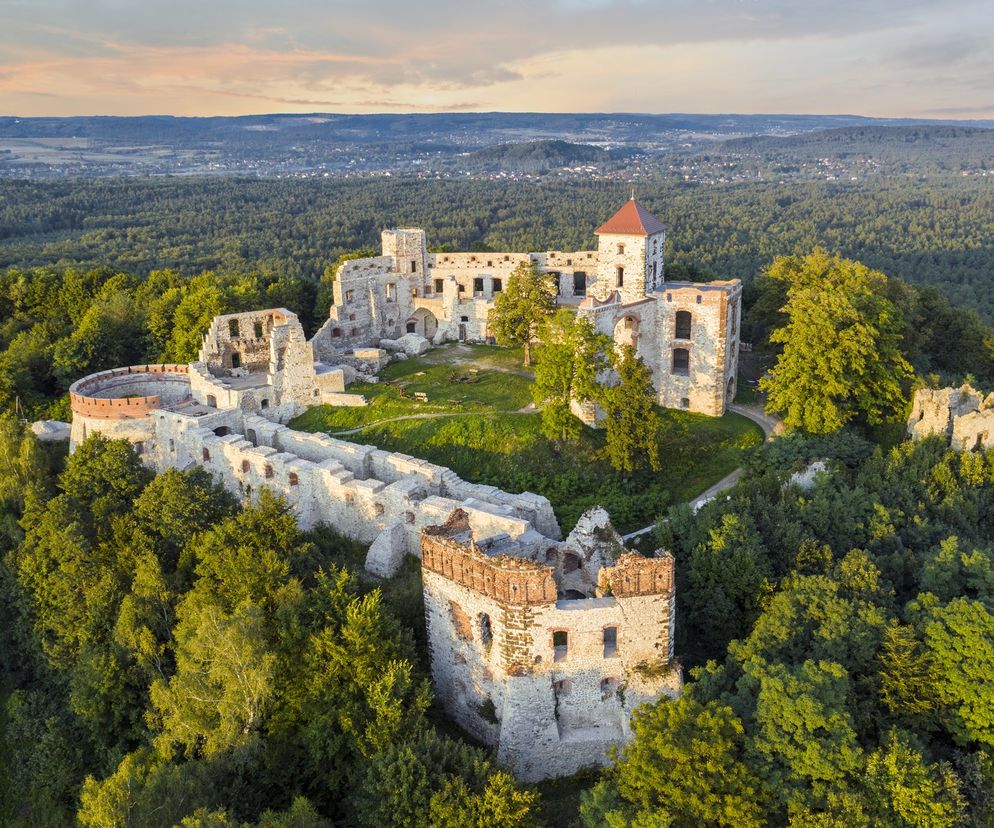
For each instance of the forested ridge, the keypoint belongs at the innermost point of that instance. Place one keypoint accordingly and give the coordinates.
(926, 231)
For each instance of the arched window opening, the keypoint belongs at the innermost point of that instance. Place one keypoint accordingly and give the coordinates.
(620, 277)
(233, 328)
(269, 471)
(486, 632)
(236, 359)
(258, 330)
(560, 645)
(211, 401)
(206, 455)
(684, 320)
(621, 250)
(681, 362)
(245, 465)
(294, 480)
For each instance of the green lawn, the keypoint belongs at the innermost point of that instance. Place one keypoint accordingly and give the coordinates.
(456, 378)
(485, 444)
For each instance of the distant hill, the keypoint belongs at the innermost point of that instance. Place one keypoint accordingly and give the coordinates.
(918, 135)
(333, 144)
(538, 156)
(921, 148)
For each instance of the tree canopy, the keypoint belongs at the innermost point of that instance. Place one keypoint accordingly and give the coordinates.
(842, 346)
(520, 309)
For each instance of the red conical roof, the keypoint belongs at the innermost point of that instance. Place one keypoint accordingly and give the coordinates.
(632, 220)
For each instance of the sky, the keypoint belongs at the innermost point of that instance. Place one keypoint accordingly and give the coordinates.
(892, 58)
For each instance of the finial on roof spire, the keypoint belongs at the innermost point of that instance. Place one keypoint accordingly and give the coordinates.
(633, 193)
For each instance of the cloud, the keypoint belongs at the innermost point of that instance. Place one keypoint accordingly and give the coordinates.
(710, 55)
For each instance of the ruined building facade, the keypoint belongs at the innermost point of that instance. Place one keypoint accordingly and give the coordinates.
(686, 332)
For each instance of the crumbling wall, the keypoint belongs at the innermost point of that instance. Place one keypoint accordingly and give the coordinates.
(240, 341)
(960, 415)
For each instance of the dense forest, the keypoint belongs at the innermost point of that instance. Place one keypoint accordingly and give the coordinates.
(927, 232)
(168, 657)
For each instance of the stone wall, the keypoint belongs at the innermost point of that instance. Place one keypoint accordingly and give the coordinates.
(118, 403)
(260, 362)
(241, 340)
(961, 415)
(713, 309)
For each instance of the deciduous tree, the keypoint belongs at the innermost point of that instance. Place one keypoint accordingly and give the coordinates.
(841, 356)
(572, 354)
(684, 768)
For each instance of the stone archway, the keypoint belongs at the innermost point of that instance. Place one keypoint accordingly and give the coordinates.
(730, 391)
(626, 331)
(424, 322)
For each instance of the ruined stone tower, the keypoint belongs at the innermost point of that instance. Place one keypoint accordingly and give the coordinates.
(545, 656)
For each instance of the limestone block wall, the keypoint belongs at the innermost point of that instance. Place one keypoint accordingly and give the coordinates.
(961, 415)
(408, 248)
(322, 480)
(633, 254)
(372, 301)
(291, 366)
(493, 629)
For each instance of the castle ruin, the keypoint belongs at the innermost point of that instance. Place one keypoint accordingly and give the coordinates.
(540, 647)
(544, 653)
(686, 332)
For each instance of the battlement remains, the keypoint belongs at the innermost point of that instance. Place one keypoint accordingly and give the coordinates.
(129, 393)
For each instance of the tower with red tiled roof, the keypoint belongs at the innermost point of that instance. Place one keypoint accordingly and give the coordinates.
(630, 253)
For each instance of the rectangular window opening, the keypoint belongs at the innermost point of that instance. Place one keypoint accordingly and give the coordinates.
(610, 642)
